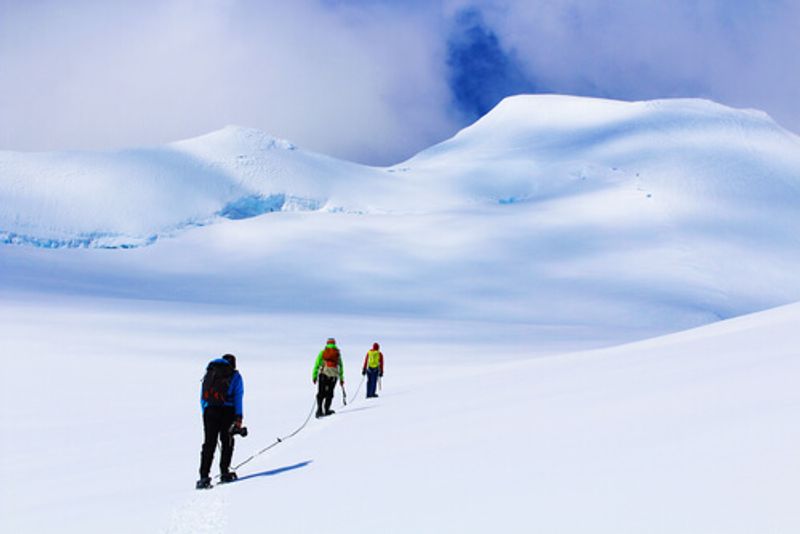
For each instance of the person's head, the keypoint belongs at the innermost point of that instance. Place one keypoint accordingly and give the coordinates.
(231, 359)
(375, 346)
(330, 341)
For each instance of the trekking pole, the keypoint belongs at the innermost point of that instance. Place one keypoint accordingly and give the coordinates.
(344, 395)
(380, 383)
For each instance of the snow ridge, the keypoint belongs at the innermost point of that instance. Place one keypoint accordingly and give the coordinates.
(529, 148)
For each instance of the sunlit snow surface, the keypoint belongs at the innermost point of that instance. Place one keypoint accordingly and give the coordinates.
(479, 427)
(502, 270)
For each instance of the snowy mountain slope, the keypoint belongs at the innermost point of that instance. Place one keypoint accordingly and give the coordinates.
(528, 148)
(556, 145)
(133, 196)
(693, 432)
(550, 210)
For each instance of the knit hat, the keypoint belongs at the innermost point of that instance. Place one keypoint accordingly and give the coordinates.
(231, 359)
(330, 341)
(375, 346)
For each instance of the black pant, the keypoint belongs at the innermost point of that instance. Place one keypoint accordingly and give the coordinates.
(325, 392)
(217, 421)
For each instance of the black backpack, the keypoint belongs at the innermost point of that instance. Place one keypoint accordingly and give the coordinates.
(216, 383)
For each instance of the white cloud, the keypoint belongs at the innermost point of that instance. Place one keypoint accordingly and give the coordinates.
(364, 80)
(739, 53)
(363, 84)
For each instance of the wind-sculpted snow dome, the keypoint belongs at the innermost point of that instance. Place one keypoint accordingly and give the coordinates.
(131, 197)
(549, 208)
(533, 147)
(528, 148)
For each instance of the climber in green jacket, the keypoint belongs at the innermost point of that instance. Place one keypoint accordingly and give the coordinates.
(327, 369)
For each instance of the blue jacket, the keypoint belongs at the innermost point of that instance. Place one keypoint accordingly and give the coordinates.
(234, 394)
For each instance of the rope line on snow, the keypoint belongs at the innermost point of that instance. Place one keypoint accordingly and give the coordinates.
(280, 440)
(355, 396)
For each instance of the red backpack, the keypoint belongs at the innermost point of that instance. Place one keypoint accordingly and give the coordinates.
(331, 357)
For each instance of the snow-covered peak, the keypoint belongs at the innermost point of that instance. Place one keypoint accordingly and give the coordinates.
(131, 197)
(576, 123)
(528, 148)
(577, 112)
(550, 208)
(541, 111)
(539, 146)
(233, 139)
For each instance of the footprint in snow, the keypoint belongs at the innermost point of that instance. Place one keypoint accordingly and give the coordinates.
(203, 513)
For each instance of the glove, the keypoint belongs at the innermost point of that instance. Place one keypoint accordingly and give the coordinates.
(363, 372)
(314, 380)
(238, 422)
(380, 375)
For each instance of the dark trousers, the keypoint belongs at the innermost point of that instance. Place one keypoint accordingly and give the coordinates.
(372, 380)
(325, 392)
(217, 421)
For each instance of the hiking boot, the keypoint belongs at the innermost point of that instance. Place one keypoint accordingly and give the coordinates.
(227, 477)
(330, 412)
(319, 414)
(204, 483)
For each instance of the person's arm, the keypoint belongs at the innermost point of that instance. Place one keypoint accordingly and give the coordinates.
(341, 368)
(364, 368)
(317, 365)
(238, 396)
(381, 373)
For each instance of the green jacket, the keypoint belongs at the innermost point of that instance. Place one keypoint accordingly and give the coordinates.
(321, 363)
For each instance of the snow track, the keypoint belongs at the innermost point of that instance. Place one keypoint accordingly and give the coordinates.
(205, 512)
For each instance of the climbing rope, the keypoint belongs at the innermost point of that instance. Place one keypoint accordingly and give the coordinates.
(280, 440)
(355, 397)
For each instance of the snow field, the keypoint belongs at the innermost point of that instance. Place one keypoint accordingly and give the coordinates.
(507, 273)
(672, 434)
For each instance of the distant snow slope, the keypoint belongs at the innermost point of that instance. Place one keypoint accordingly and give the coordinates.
(691, 151)
(686, 153)
(548, 210)
(129, 198)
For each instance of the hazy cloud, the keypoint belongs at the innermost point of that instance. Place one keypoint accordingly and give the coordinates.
(744, 54)
(363, 83)
(369, 80)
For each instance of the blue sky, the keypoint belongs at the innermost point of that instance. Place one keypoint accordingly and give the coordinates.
(369, 80)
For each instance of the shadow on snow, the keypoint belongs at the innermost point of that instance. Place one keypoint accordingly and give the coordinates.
(277, 471)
